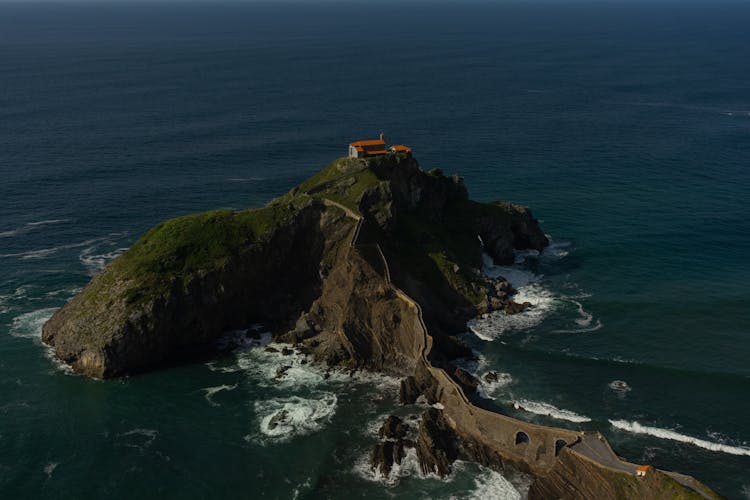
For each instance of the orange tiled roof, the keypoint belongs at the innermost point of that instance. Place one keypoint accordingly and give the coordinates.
(376, 152)
(401, 148)
(644, 468)
(372, 142)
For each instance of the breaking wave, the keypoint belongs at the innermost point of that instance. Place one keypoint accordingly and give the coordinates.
(495, 324)
(638, 428)
(489, 389)
(29, 325)
(549, 410)
(285, 418)
(487, 483)
(491, 485)
(530, 288)
(409, 467)
(283, 366)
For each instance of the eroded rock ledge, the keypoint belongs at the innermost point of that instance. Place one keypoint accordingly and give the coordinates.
(368, 264)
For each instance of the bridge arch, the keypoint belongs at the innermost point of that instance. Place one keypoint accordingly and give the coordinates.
(559, 445)
(522, 438)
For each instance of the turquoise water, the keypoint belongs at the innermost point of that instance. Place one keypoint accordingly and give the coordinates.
(625, 127)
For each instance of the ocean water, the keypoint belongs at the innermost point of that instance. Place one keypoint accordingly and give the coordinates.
(625, 126)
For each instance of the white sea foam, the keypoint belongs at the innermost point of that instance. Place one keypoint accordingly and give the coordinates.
(746, 491)
(408, 467)
(549, 410)
(489, 390)
(491, 485)
(210, 391)
(275, 369)
(638, 428)
(498, 323)
(60, 365)
(95, 262)
(269, 366)
(29, 325)
(285, 418)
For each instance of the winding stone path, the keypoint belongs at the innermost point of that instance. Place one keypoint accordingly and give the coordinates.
(538, 446)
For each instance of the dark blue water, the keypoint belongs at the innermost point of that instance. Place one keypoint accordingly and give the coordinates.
(625, 127)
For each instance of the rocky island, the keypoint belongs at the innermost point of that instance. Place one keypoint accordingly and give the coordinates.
(370, 264)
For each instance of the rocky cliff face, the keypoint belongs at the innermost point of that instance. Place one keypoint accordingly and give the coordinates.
(290, 266)
(151, 305)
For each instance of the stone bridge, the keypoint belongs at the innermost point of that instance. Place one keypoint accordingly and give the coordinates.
(530, 447)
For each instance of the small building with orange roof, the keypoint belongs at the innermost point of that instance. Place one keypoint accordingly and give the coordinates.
(371, 147)
(374, 147)
(642, 470)
(400, 149)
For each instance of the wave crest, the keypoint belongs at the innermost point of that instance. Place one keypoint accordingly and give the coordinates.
(285, 418)
(637, 428)
(549, 410)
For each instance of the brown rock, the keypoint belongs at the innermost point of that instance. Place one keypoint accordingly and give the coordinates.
(515, 307)
(393, 428)
(468, 382)
(437, 444)
(409, 391)
(385, 454)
